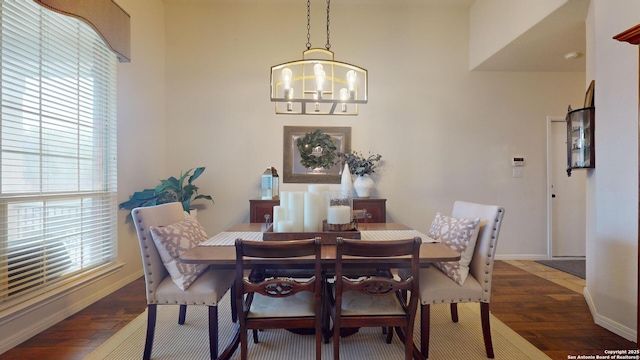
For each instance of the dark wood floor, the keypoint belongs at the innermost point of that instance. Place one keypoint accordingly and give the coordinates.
(551, 317)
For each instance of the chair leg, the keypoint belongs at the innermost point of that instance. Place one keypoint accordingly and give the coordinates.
(182, 315)
(486, 329)
(151, 327)
(234, 306)
(408, 342)
(336, 336)
(454, 312)
(327, 309)
(213, 331)
(255, 336)
(243, 341)
(318, 334)
(425, 318)
(389, 333)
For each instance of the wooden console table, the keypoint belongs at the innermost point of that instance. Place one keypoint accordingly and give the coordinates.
(376, 209)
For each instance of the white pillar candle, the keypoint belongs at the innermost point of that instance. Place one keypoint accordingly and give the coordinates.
(296, 210)
(322, 190)
(317, 188)
(284, 203)
(285, 226)
(278, 215)
(339, 214)
(311, 212)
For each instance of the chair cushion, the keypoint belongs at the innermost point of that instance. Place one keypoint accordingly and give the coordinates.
(460, 235)
(208, 289)
(436, 287)
(173, 240)
(355, 303)
(297, 305)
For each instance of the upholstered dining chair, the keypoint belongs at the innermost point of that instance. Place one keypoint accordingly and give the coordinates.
(375, 301)
(278, 302)
(167, 224)
(437, 287)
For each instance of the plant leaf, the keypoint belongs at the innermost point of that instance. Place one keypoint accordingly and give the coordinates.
(196, 174)
(208, 197)
(145, 197)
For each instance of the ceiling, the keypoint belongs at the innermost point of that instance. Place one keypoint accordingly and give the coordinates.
(543, 47)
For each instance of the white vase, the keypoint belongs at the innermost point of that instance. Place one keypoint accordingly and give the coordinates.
(346, 183)
(363, 185)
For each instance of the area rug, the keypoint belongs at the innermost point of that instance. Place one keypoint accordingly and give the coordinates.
(573, 267)
(462, 340)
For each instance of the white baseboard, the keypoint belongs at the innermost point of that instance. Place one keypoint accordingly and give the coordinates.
(614, 327)
(35, 328)
(522, 257)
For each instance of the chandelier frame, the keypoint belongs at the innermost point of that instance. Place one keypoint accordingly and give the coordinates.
(317, 84)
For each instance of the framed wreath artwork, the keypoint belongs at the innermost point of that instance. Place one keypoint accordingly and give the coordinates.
(312, 154)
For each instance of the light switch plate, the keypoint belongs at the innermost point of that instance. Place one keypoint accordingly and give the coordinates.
(518, 172)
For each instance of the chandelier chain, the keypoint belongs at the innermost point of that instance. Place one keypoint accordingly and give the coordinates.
(308, 24)
(328, 45)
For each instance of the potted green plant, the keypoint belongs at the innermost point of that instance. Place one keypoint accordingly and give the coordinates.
(362, 167)
(169, 190)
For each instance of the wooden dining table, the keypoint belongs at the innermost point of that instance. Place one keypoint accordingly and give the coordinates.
(219, 252)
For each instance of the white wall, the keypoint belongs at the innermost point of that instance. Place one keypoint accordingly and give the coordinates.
(141, 118)
(444, 133)
(612, 241)
(141, 152)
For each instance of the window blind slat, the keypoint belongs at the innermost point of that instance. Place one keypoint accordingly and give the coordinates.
(57, 169)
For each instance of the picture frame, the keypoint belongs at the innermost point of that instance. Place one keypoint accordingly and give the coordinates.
(588, 96)
(295, 172)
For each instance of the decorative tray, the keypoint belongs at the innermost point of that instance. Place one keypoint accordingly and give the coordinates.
(327, 237)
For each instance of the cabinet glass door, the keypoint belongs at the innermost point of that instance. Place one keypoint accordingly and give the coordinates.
(580, 139)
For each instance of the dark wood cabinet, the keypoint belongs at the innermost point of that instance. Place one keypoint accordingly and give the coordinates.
(259, 208)
(376, 209)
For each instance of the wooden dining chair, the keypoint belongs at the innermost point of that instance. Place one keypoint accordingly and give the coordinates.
(375, 301)
(193, 284)
(437, 287)
(278, 302)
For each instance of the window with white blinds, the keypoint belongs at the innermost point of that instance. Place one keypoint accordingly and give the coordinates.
(58, 150)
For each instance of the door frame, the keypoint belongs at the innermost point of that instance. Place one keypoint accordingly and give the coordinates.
(549, 120)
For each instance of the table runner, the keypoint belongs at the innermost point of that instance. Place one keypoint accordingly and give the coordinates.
(227, 238)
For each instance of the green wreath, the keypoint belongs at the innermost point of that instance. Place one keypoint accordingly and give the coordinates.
(317, 149)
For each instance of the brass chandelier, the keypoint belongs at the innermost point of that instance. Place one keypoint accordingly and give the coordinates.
(317, 84)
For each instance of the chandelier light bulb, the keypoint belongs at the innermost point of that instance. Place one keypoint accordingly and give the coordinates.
(351, 79)
(320, 75)
(344, 94)
(317, 68)
(320, 79)
(286, 77)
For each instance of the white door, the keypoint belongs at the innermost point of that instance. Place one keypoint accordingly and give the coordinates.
(567, 196)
